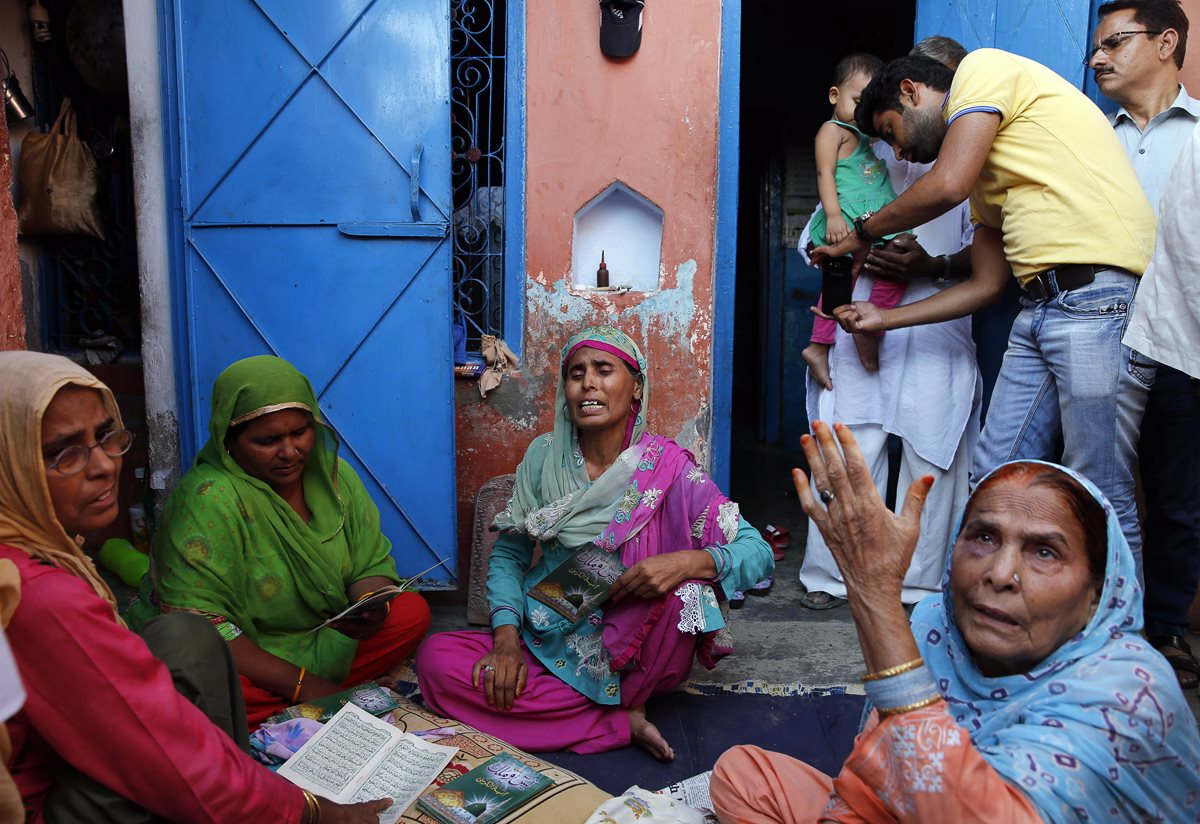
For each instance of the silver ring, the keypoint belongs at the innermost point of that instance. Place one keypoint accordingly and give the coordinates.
(1016, 577)
(488, 668)
(826, 495)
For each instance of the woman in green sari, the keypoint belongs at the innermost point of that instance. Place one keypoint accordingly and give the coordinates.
(269, 534)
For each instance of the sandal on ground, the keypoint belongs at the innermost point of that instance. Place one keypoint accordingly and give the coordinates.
(762, 587)
(1187, 668)
(777, 539)
(737, 600)
(820, 600)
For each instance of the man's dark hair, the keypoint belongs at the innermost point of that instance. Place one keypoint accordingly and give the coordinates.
(1155, 15)
(941, 48)
(883, 92)
(856, 63)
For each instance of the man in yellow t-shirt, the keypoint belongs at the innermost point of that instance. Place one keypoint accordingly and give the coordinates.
(1058, 205)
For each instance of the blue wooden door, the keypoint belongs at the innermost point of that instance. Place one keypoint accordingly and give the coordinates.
(1053, 32)
(314, 164)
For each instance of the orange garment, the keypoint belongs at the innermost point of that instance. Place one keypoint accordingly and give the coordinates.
(406, 625)
(916, 767)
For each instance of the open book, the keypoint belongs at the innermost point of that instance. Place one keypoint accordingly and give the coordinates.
(376, 599)
(580, 583)
(356, 757)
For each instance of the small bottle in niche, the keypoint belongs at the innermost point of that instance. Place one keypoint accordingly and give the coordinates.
(602, 274)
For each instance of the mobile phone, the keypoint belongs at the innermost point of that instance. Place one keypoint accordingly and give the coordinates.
(836, 284)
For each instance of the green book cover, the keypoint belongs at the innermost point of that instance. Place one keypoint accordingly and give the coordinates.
(487, 793)
(367, 696)
(580, 583)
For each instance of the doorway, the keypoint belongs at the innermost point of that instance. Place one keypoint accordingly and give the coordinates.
(789, 51)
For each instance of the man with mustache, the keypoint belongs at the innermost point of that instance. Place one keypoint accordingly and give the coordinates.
(1057, 204)
(1139, 49)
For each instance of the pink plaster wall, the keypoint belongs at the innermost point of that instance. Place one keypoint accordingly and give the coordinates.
(651, 122)
(12, 317)
(1190, 74)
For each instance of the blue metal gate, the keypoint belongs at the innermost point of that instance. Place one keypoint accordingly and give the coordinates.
(314, 173)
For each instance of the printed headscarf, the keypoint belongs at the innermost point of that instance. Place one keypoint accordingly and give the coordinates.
(28, 383)
(1097, 731)
(553, 497)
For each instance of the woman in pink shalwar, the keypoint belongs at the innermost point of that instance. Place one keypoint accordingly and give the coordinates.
(544, 682)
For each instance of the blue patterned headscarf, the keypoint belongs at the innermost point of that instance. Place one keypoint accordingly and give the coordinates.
(1099, 730)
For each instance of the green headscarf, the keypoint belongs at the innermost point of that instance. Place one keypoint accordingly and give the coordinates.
(229, 546)
(553, 498)
(258, 386)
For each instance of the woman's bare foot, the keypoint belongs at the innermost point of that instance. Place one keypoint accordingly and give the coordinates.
(868, 351)
(647, 736)
(816, 355)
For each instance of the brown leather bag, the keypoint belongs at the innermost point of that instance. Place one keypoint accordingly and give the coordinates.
(57, 184)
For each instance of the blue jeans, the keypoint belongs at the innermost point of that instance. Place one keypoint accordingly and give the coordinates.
(1170, 463)
(1066, 374)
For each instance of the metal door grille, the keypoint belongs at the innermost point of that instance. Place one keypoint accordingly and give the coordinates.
(477, 139)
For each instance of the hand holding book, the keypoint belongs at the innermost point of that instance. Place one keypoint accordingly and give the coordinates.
(370, 609)
(657, 575)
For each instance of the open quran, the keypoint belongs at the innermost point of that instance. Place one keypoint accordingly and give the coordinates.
(356, 757)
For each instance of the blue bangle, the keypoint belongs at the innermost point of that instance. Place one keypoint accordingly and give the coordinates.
(492, 615)
(901, 690)
(722, 560)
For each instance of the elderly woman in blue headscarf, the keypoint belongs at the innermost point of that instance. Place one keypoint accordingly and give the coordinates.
(1023, 692)
(600, 487)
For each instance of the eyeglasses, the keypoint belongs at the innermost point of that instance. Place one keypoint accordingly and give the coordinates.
(74, 458)
(1115, 41)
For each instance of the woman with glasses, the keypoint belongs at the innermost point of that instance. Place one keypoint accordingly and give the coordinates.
(270, 534)
(105, 734)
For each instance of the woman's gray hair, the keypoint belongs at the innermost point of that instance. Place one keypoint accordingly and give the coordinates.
(943, 49)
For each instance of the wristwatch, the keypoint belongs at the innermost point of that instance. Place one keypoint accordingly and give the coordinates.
(860, 227)
(944, 277)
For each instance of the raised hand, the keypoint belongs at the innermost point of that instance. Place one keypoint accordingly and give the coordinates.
(872, 545)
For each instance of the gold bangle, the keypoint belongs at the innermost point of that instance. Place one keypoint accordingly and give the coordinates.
(313, 806)
(299, 681)
(916, 705)
(896, 670)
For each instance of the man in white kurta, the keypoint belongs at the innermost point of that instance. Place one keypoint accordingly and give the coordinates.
(927, 391)
(1166, 318)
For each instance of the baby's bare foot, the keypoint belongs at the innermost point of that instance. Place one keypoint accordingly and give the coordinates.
(816, 355)
(868, 351)
(647, 736)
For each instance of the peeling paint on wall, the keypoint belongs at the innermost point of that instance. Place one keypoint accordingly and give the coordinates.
(578, 110)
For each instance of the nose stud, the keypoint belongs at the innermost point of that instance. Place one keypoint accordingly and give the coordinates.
(1016, 577)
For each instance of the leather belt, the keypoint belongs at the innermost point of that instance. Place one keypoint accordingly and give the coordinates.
(1048, 283)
